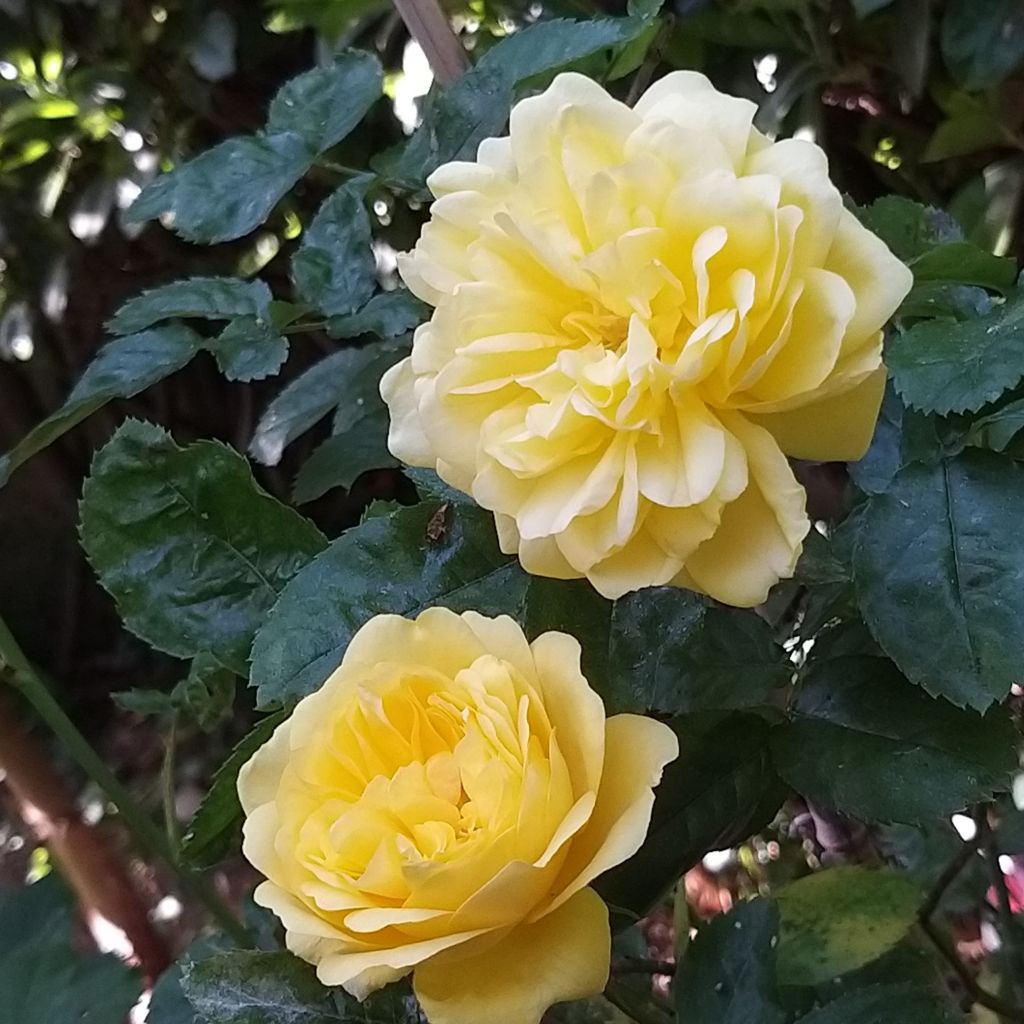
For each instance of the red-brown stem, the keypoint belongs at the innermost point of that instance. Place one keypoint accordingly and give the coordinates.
(428, 25)
(92, 868)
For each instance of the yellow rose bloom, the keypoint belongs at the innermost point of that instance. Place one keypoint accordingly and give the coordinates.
(639, 314)
(441, 805)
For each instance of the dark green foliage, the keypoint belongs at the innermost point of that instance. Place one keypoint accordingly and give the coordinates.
(226, 192)
(43, 978)
(937, 568)
(277, 988)
(431, 554)
(720, 788)
(216, 827)
(946, 367)
(728, 976)
(859, 730)
(191, 549)
(333, 269)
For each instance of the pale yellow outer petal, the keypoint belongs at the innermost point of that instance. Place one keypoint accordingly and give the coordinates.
(407, 439)
(879, 280)
(839, 427)
(635, 752)
(690, 100)
(564, 955)
(437, 637)
(259, 776)
(575, 709)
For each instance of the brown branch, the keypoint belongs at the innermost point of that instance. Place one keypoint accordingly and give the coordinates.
(91, 867)
(428, 25)
(1013, 956)
(979, 995)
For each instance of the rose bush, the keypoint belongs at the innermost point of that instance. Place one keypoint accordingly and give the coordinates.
(442, 804)
(638, 315)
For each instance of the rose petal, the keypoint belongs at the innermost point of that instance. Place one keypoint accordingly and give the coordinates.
(564, 955)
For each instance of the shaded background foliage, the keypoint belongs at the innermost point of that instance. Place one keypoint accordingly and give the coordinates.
(920, 99)
(909, 97)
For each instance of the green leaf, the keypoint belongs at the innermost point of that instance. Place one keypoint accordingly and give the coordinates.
(386, 315)
(719, 791)
(122, 368)
(339, 460)
(54, 985)
(334, 269)
(909, 229)
(840, 919)
(360, 429)
(146, 702)
(819, 564)
(908, 1004)
(348, 380)
(997, 430)
(728, 974)
(305, 401)
(216, 827)
(325, 104)
(965, 263)
(860, 731)
(35, 914)
(209, 298)
(969, 131)
(477, 105)
(430, 554)
(982, 43)
(931, 243)
(661, 649)
(168, 1004)
(247, 987)
(249, 348)
(937, 569)
(669, 652)
(576, 608)
(207, 693)
(43, 978)
(228, 191)
(943, 367)
(193, 552)
(943, 300)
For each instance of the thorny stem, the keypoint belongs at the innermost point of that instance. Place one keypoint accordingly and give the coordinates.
(979, 995)
(149, 836)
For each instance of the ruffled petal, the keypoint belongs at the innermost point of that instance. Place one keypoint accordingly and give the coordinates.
(761, 534)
